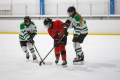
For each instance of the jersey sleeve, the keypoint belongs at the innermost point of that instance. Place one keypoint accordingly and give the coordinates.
(34, 28)
(76, 25)
(69, 27)
(61, 24)
(23, 33)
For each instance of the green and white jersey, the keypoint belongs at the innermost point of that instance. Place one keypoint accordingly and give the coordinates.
(76, 25)
(23, 36)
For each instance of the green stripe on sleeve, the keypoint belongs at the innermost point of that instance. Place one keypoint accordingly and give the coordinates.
(21, 38)
(86, 30)
(35, 33)
(26, 36)
(77, 31)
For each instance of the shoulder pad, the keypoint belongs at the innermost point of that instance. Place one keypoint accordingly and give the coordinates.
(22, 26)
(32, 23)
(77, 18)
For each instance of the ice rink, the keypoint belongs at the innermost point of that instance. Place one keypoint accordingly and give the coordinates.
(102, 59)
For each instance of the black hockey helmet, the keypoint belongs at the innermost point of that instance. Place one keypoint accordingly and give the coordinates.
(71, 9)
(47, 21)
(27, 19)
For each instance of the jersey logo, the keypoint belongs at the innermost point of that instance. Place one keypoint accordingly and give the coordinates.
(23, 31)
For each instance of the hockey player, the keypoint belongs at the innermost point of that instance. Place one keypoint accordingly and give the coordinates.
(80, 28)
(56, 30)
(28, 31)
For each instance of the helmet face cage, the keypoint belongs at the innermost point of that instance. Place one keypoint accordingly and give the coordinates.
(47, 21)
(27, 19)
(71, 9)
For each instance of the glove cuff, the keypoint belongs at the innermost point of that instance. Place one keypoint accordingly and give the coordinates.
(75, 35)
(56, 37)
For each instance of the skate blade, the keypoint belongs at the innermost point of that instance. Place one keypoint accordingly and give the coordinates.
(64, 65)
(36, 61)
(78, 63)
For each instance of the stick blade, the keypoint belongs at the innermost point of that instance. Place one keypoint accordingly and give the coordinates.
(48, 63)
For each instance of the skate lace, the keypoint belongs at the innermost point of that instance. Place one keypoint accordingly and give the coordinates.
(57, 59)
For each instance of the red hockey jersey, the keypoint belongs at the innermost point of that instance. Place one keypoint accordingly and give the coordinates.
(57, 26)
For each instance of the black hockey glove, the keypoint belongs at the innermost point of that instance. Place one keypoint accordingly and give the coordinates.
(75, 38)
(65, 31)
(29, 32)
(32, 42)
(32, 35)
(56, 44)
(68, 22)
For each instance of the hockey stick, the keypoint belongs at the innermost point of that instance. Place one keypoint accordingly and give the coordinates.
(50, 51)
(38, 53)
(45, 63)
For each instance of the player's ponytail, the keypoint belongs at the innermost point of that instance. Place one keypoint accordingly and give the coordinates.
(81, 19)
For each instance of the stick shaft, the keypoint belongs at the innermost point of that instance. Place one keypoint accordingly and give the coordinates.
(52, 49)
(38, 53)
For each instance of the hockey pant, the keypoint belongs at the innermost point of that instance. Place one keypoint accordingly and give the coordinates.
(60, 49)
(76, 45)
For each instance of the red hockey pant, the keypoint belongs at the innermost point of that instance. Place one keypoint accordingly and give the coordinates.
(60, 49)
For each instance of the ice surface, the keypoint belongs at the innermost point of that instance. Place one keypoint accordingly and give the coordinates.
(102, 59)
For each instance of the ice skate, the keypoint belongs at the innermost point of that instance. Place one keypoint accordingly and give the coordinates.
(34, 57)
(75, 60)
(79, 60)
(64, 63)
(27, 56)
(80, 57)
(56, 61)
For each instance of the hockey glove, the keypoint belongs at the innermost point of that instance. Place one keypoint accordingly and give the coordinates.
(29, 32)
(68, 22)
(32, 42)
(32, 35)
(56, 44)
(75, 38)
(65, 31)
